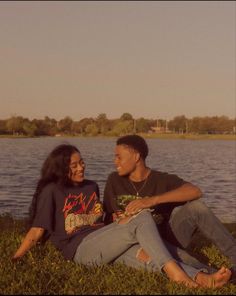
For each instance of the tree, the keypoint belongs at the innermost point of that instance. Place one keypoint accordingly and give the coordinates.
(122, 128)
(102, 123)
(91, 129)
(65, 125)
(3, 126)
(50, 126)
(179, 124)
(76, 127)
(126, 116)
(29, 128)
(101, 117)
(84, 122)
(142, 125)
(195, 124)
(15, 124)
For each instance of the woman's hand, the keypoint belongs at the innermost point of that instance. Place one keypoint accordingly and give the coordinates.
(15, 259)
(31, 238)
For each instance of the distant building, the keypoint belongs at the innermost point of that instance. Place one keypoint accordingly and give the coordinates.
(161, 127)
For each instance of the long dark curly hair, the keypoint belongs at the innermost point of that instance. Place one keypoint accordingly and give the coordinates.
(55, 169)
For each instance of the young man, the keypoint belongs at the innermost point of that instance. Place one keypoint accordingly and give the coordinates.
(176, 204)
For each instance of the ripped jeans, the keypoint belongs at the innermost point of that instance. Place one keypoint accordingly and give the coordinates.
(121, 242)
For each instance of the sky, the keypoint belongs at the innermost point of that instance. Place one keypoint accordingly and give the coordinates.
(152, 59)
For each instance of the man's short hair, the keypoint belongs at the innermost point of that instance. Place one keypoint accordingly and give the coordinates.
(136, 142)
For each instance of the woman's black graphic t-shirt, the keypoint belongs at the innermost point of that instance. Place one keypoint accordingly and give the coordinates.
(69, 214)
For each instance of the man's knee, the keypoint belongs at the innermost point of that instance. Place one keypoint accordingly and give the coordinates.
(198, 207)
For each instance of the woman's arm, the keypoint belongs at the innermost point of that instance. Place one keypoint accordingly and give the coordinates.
(31, 238)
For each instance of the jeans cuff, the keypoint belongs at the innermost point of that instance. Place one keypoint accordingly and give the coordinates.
(197, 272)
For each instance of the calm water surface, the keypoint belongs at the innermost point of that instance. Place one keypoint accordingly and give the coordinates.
(209, 164)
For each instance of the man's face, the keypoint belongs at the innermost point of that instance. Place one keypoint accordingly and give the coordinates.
(125, 159)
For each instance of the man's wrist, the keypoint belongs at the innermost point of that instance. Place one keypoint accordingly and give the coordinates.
(154, 201)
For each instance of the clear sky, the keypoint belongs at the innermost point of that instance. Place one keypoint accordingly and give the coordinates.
(153, 59)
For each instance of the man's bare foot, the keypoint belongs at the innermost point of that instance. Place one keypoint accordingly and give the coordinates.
(214, 280)
(176, 274)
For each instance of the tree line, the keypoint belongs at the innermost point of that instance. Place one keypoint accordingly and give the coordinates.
(126, 124)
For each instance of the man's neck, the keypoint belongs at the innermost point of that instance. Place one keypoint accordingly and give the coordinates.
(140, 174)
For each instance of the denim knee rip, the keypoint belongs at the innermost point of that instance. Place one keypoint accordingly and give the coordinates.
(142, 256)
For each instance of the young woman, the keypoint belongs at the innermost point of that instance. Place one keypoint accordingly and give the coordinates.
(66, 208)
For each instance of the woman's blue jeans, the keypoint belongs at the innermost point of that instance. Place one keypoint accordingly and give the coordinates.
(109, 243)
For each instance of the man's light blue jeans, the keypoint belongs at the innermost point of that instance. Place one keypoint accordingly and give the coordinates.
(120, 243)
(195, 215)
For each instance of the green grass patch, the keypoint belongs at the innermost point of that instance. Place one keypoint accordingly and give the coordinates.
(172, 136)
(44, 271)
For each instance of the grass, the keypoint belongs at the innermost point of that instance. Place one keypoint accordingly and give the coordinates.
(44, 271)
(173, 136)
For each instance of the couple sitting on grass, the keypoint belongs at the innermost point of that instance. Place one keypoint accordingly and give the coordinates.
(156, 224)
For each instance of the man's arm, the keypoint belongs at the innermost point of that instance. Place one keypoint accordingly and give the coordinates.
(186, 192)
(31, 238)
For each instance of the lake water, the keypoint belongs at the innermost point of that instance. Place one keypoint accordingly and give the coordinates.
(209, 164)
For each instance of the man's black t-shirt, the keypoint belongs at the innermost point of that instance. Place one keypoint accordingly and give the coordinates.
(156, 184)
(119, 187)
(69, 214)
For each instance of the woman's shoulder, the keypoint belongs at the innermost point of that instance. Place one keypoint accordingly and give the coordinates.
(91, 183)
(50, 188)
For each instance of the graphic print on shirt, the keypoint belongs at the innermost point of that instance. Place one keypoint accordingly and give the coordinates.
(125, 199)
(81, 210)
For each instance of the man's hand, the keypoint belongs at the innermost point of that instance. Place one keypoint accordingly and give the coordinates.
(117, 215)
(137, 205)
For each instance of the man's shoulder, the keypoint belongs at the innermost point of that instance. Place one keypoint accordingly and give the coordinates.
(167, 177)
(163, 175)
(113, 175)
(157, 173)
(114, 178)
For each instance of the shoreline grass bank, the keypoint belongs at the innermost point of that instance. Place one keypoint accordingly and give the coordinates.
(43, 271)
(168, 136)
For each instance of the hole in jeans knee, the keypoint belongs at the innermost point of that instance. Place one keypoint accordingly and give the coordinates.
(142, 256)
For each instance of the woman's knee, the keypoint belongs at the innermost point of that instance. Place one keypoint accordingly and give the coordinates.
(143, 218)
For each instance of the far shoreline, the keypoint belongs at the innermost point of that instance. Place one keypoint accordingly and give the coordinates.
(162, 136)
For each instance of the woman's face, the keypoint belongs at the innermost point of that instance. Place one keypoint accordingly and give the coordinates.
(77, 168)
